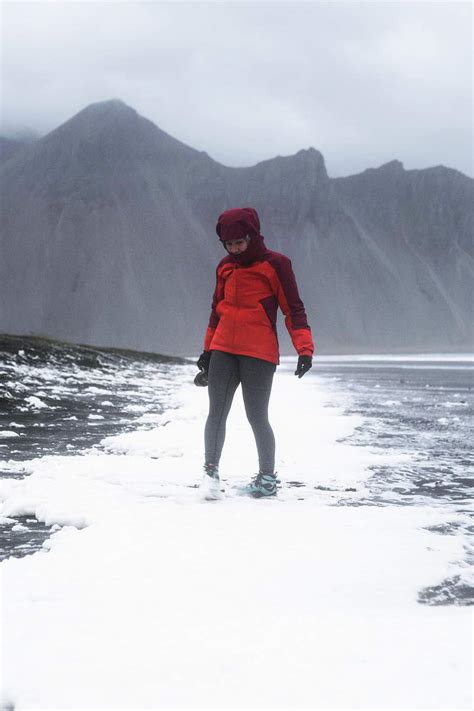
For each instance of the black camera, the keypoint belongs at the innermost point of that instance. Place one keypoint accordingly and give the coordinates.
(201, 379)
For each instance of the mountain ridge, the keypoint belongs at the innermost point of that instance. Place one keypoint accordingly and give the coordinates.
(108, 232)
(104, 108)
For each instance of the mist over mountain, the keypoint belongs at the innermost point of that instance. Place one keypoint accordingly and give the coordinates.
(11, 144)
(8, 148)
(108, 238)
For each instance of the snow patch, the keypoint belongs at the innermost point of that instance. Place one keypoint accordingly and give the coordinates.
(34, 403)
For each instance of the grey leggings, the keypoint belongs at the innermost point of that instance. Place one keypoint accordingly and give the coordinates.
(226, 371)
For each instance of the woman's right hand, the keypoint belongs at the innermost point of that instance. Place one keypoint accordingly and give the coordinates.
(203, 361)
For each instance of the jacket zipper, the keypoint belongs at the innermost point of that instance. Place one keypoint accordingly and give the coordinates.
(236, 306)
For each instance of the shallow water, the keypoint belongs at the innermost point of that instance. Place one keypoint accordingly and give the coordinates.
(60, 399)
(424, 408)
(63, 399)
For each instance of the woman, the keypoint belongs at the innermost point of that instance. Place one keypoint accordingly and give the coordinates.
(241, 344)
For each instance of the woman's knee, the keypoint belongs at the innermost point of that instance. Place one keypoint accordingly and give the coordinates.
(257, 419)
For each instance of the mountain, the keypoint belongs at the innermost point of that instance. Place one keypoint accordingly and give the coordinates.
(9, 147)
(14, 139)
(108, 238)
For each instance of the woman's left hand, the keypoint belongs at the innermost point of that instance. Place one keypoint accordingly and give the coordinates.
(305, 363)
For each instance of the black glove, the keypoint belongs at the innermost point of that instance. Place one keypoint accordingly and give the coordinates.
(203, 361)
(304, 364)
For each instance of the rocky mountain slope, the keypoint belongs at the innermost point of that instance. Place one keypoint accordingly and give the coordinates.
(107, 238)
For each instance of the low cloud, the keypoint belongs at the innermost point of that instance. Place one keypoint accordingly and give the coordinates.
(363, 82)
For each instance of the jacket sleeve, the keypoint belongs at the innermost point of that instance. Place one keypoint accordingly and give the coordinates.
(293, 309)
(214, 317)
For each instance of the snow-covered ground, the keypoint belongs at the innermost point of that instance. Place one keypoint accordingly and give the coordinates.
(148, 598)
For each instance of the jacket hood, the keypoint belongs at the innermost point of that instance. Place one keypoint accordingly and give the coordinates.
(238, 223)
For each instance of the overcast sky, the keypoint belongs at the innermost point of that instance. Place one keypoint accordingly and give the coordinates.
(363, 82)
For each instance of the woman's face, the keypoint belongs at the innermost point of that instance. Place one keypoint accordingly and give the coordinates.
(236, 246)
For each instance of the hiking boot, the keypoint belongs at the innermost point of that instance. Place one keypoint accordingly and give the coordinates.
(211, 484)
(263, 484)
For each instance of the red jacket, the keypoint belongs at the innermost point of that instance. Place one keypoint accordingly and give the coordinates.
(249, 289)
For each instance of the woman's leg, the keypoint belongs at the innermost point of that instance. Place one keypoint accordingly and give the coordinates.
(223, 382)
(256, 376)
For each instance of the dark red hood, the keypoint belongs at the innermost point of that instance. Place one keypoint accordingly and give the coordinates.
(238, 223)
